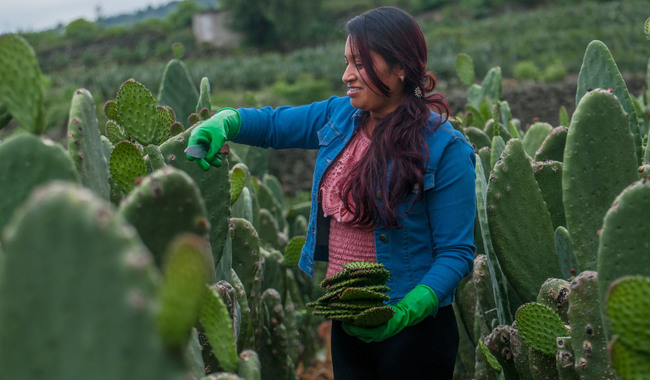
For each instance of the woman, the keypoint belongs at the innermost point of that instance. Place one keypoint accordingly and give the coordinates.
(393, 183)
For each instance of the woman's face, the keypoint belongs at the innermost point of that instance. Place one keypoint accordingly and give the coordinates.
(363, 94)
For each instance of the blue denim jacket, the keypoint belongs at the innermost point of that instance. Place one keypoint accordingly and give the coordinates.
(435, 243)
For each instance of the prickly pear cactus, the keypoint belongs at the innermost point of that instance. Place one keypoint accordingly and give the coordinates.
(599, 70)
(548, 175)
(218, 328)
(554, 293)
(275, 274)
(498, 342)
(539, 326)
(269, 231)
(487, 365)
(520, 353)
(465, 69)
(5, 116)
(477, 137)
(552, 147)
(292, 251)
(203, 101)
(247, 257)
(542, 366)
(465, 308)
(137, 113)
(214, 187)
(126, 166)
(356, 295)
(248, 264)
(626, 311)
(599, 162)
(272, 343)
(26, 162)
(268, 199)
(113, 131)
(21, 91)
(588, 341)
(483, 281)
(245, 337)
(565, 360)
(627, 305)
(80, 273)
(496, 149)
(523, 242)
(238, 178)
(250, 367)
(490, 87)
(485, 154)
(565, 253)
(535, 136)
(186, 273)
(85, 146)
(153, 208)
(629, 364)
(624, 238)
(178, 91)
(498, 281)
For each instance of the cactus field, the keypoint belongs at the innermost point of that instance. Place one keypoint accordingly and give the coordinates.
(121, 259)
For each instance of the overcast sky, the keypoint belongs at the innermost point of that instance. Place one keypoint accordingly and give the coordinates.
(37, 15)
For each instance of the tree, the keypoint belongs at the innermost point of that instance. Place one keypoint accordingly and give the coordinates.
(81, 31)
(182, 16)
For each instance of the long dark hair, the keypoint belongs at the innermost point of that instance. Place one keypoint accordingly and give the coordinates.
(397, 139)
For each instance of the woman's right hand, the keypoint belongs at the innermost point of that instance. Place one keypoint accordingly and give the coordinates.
(211, 134)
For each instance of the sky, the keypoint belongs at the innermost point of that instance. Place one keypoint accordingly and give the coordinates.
(38, 15)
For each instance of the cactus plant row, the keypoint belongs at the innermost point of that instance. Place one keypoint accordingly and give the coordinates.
(206, 260)
(585, 184)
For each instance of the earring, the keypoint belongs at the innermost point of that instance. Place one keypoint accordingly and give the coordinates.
(401, 77)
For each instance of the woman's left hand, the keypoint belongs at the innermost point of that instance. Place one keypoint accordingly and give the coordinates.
(418, 304)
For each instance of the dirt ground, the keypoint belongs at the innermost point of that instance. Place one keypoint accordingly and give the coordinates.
(322, 370)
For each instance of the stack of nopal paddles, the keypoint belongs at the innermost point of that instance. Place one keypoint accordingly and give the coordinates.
(356, 295)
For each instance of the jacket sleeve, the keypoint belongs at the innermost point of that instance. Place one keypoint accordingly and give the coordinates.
(452, 209)
(285, 127)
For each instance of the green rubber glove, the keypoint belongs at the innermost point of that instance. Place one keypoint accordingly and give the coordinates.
(418, 304)
(212, 134)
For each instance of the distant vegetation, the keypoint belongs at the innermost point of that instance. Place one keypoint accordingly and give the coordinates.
(528, 39)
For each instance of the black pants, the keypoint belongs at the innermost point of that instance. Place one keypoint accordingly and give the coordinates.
(424, 351)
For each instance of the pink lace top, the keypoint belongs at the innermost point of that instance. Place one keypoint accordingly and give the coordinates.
(346, 243)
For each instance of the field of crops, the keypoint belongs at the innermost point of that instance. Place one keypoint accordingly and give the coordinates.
(119, 258)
